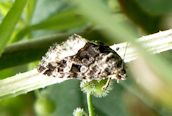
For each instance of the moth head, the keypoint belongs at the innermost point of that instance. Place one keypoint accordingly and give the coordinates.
(121, 74)
(118, 72)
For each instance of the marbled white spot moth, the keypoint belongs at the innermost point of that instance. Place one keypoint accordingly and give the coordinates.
(78, 58)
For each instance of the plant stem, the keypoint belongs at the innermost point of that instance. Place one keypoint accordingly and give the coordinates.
(25, 82)
(90, 105)
(32, 80)
(155, 43)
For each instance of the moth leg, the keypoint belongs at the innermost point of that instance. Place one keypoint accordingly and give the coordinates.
(107, 84)
(84, 81)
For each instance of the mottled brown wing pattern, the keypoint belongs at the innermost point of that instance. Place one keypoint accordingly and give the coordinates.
(80, 59)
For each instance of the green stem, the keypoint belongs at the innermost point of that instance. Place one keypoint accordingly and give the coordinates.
(26, 82)
(90, 105)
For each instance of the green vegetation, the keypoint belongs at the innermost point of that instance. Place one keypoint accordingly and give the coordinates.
(29, 27)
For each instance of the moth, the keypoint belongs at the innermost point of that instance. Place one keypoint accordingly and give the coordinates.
(80, 59)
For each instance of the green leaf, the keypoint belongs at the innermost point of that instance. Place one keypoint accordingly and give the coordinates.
(30, 10)
(65, 20)
(60, 21)
(27, 51)
(9, 22)
(4, 7)
(138, 16)
(67, 96)
(156, 7)
(101, 16)
(112, 104)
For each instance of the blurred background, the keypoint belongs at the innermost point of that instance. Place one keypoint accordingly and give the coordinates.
(148, 88)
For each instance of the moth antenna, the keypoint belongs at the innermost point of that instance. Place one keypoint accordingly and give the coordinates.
(125, 51)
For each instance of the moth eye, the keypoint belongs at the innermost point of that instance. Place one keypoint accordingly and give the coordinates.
(119, 76)
(122, 72)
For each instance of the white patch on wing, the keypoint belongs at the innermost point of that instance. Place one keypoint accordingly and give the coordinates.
(68, 48)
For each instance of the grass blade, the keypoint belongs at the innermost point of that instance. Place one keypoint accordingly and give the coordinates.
(9, 22)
